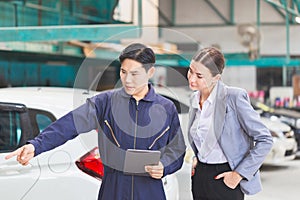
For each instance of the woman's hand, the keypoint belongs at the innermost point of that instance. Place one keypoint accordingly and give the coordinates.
(155, 171)
(231, 179)
(194, 164)
(24, 154)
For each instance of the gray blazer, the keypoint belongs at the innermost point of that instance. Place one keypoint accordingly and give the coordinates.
(243, 138)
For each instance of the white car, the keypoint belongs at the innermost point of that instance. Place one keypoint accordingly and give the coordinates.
(284, 142)
(71, 171)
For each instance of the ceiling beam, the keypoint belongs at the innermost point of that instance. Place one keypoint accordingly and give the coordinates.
(69, 32)
(214, 8)
(290, 11)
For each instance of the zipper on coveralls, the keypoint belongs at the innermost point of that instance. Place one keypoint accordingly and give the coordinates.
(150, 147)
(112, 133)
(134, 144)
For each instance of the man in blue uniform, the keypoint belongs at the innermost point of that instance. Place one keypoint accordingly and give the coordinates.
(132, 117)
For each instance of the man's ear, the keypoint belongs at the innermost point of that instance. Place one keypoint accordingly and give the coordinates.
(151, 72)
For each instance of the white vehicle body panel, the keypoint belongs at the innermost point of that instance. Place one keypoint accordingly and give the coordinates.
(54, 174)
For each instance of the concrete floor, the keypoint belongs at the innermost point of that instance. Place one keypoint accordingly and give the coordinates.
(280, 182)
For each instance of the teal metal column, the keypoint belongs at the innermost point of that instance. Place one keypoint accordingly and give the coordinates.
(297, 2)
(232, 12)
(287, 23)
(293, 7)
(173, 12)
(60, 22)
(258, 24)
(140, 15)
(284, 75)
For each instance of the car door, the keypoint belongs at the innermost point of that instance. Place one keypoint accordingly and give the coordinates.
(15, 129)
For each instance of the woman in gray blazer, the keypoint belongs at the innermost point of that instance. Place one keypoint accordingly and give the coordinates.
(229, 140)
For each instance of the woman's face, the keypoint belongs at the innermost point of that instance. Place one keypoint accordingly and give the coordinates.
(199, 77)
(135, 78)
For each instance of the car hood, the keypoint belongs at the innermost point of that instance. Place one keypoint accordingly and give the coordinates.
(47, 98)
(275, 125)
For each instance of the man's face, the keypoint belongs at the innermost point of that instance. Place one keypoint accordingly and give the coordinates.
(135, 78)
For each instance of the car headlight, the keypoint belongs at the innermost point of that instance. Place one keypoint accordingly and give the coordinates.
(297, 126)
(289, 134)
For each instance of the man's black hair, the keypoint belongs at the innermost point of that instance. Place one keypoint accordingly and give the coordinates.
(139, 53)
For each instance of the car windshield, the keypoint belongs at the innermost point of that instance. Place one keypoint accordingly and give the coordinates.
(10, 130)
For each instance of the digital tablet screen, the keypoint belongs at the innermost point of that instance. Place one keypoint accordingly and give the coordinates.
(136, 160)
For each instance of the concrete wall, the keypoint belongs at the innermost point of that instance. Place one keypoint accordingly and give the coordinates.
(273, 40)
(244, 77)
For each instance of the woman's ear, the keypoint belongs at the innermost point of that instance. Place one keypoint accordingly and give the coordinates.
(217, 77)
(151, 72)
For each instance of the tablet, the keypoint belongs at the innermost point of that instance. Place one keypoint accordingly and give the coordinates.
(136, 160)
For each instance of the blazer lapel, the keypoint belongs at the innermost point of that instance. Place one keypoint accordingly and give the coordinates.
(220, 109)
(192, 114)
(216, 127)
(219, 114)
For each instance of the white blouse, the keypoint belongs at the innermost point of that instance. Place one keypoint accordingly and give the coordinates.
(202, 131)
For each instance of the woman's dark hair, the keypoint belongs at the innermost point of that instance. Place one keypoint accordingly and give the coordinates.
(212, 58)
(139, 53)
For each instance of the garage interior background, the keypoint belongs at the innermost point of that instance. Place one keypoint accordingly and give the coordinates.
(48, 43)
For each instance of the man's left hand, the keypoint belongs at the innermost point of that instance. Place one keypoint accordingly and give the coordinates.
(155, 171)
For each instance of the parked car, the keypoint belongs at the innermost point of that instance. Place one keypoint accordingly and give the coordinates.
(284, 146)
(71, 171)
(287, 116)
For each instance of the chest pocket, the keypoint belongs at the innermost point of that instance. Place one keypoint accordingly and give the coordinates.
(155, 141)
(232, 124)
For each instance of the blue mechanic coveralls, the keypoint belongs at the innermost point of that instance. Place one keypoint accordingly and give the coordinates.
(123, 123)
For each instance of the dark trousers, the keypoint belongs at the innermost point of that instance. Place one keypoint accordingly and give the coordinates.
(205, 187)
